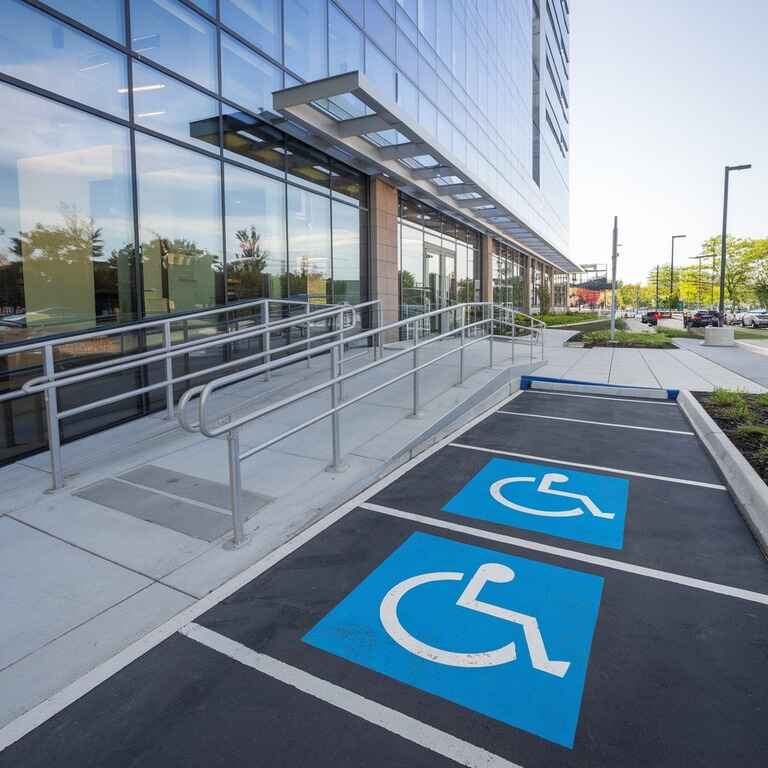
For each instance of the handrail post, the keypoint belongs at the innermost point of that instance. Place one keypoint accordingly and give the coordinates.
(490, 341)
(416, 374)
(340, 321)
(235, 491)
(336, 464)
(52, 417)
(462, 339)
(309, 343)
(381, 325)
(167, 343)
(267, 340)
(531, 339)
(541, 332)
(513, 336)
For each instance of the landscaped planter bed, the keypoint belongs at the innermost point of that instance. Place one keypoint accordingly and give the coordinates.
(744, 419)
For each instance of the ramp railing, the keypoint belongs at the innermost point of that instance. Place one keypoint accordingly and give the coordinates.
(469, 324)
(337, 318)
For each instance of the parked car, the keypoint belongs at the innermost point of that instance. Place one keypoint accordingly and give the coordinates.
(651, 317)
(755, 318)
(701, 318)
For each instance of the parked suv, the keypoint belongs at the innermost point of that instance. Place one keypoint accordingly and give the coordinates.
(701, 318)
(755, 318)
(651, 317)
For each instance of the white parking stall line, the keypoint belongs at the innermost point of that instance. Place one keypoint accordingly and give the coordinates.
(614, 470)
(598, 423)
(571, 554)
(600, 397)
(385, 717)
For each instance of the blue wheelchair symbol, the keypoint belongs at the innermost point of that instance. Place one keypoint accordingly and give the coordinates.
(502, 635)
(553, 500)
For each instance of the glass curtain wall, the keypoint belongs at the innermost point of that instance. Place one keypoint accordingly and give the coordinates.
(138, 178)
(439, 259)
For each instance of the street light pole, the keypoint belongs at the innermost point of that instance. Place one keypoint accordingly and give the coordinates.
(613, 276)
(657, 287)
(672, 270)
(728, 169)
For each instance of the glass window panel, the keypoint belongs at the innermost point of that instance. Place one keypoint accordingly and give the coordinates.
(43, 51)
(346, 55)
(354, 8)
(427, 79)
(411, 7)
(427, 115)
(105, 16)
(346, 44)
(407, 25)
(444, 37)
(407, 95)
(170, 107)
(305, 37)
(309, 246)
(258, 21)
(380, 70)
(256, 259)
(66, 231)
(428, 20)
(307, 166)
(248, 140)
(413, 295)
(246, 77)
(176, 37)
(346, 254)
(209, 6)
(407, 56)
(347, 183)
(179, 226)
(380, 27)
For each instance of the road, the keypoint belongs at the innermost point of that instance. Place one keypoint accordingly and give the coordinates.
(565, 583)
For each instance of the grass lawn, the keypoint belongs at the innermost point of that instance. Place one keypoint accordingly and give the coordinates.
(630, 339)
(698, 333)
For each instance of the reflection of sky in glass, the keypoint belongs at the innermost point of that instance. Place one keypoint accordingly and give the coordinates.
(179, 194)
(305, 37)
(247, 78)
(167, 106)
(105, 16)
(39, 49)
(54, 158)
(258, 21)
(172, 35)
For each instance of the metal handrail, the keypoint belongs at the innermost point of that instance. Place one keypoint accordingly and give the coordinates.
(53, 380)
(230, 426)
(536, 327)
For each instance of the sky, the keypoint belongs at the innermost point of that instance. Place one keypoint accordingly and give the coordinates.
(664, 94)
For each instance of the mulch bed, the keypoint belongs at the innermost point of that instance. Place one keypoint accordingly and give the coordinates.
(754, 448)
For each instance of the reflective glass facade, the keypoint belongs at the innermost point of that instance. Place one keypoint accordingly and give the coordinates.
(139, 175)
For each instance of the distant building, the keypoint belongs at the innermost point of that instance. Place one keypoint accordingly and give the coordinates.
(590, 288)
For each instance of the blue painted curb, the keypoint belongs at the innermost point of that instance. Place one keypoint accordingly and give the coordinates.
(526, 381)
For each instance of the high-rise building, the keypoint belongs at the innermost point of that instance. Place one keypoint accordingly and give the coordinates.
(166, 156)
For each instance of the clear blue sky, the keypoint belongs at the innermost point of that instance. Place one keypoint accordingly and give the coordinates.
(664, 93)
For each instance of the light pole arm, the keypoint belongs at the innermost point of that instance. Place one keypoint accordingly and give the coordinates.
(721, 306)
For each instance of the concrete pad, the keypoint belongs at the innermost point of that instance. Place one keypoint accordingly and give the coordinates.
(195, 489)
(124, 539)
(62, 661)
(18, 475)
(49, 587)
(163, 510)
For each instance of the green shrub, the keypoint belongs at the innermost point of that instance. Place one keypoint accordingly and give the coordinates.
(724, 397)
(759, 431)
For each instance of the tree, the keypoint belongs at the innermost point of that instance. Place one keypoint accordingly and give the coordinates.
(545, 300)
(739, 268)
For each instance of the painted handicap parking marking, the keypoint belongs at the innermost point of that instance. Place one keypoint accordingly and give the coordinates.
(554, 500)
(501, 635)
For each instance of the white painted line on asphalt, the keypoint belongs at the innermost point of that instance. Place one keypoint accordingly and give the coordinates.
(600, 397)
(665, 478)
(36, 716)
(598, 423)
(616, 565)
(385, 717)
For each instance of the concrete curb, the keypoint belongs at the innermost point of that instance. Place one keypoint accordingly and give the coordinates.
(758, 350)
(748, 489)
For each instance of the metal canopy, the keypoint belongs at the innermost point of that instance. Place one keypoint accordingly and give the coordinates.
(344, 112)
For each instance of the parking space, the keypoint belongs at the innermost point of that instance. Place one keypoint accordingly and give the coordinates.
(568, 583)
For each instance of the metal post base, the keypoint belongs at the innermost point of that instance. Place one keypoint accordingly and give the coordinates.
(337, 468)
(230, 544)
(417, 415)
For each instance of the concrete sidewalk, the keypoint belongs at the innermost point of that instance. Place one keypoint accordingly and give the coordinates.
(136, 535)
